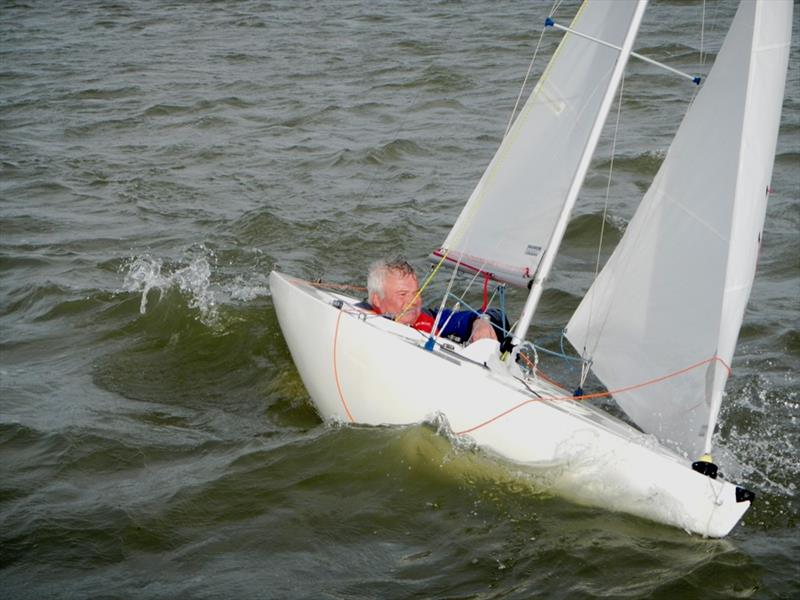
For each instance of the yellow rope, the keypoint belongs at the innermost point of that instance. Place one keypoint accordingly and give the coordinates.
(423, 286)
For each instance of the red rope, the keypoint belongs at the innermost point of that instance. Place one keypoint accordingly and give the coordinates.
(486, 279)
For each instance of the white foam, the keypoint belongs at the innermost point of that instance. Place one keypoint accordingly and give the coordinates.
(145, 273)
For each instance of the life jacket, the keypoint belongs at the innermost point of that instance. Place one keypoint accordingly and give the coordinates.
(424, 322)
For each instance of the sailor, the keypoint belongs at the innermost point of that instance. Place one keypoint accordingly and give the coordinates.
(393, 291)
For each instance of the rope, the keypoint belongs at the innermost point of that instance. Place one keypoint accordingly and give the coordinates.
(597, 394)
(584, 368)
(485, 304)
(459, 300)
(514, 408)
(541, 374)
(336, 370)
(702, 32)
(464, 225)
(456, 306)
(423, 286)
(528, 73)
(432, 336)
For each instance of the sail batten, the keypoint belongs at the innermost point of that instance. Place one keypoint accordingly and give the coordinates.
(675, 289)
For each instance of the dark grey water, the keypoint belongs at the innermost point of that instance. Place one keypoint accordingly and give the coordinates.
(158, 159)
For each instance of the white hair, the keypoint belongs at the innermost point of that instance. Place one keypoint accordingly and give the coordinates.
(378, 271)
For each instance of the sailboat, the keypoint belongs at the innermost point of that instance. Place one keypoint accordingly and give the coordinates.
(658, 326)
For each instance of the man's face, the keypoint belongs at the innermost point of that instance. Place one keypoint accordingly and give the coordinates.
(398, 291)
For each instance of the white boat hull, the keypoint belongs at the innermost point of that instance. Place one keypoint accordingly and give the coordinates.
(373, 371)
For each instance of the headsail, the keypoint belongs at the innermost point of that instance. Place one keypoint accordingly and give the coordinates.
(673, 293)
(511, 214)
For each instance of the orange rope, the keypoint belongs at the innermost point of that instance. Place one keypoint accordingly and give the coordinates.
(541, 374)
(550, 381)
(525, 402)
(336, 371)
(598, 394)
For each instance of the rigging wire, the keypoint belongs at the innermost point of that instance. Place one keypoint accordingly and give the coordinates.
(586, 359)
(702, 31)
(532, 364)
(432, 339)
(556, 5)
(695, 91)
(537, 397)
(528, 73)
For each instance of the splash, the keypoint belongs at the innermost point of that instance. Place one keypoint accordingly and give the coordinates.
(145, 274)
(763, 436)
(245, 291)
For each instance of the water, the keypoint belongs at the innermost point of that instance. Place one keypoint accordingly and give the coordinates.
(159, 159)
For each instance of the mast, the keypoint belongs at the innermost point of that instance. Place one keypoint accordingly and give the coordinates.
(577, 181)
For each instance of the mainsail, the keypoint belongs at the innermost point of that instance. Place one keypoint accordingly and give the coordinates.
(672, 297)
(510, 217)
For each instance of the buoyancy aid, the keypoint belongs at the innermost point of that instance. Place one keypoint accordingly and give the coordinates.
(424, 322)
(457, 325)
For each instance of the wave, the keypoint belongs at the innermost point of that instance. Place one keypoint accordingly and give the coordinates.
(584, 231)
(789, 158)
(105, 126)
(644, 163)
(390, 152)
(115, 93)
(434, 77)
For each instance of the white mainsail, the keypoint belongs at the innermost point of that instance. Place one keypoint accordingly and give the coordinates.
(511, 215)
(673, 294)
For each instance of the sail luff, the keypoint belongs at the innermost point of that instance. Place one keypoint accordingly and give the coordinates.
(674, 291)
(765, 88)
(560, 228)
(510, 215)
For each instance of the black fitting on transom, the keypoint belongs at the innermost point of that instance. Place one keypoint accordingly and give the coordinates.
(703, 467)
(743, 495)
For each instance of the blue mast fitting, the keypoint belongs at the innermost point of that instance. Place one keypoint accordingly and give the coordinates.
(548, 22)
(696, 80)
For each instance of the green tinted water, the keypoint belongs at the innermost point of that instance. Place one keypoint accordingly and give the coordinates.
(158, 160)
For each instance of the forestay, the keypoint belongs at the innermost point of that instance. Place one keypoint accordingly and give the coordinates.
(674, 291)
(510, 216)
